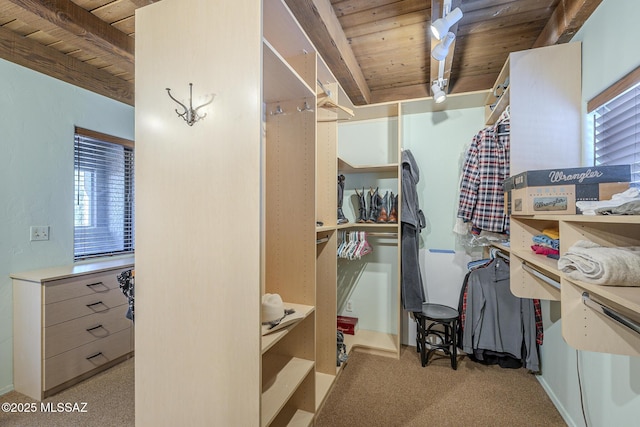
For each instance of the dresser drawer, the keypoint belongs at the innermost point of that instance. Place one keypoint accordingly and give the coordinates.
(88, 284)
(83, 330)
(69, 309)
(72, 363)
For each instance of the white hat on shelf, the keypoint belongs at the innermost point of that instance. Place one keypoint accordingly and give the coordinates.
(272, 308)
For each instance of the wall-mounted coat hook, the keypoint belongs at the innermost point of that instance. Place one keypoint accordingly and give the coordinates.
(277, 111)
(190, 115)
(305, 107)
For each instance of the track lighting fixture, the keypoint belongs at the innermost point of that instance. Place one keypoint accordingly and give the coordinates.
(439, 96)
(440, 52)
(441, 26)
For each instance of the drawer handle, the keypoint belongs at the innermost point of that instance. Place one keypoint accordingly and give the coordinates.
(95, 355)
(98, 303)
(94, 328)
(89, 285)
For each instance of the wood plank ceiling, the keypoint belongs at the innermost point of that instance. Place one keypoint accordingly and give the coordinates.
(379, 50)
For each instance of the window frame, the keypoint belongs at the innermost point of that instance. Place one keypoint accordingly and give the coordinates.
(128, 240)
(626, 83)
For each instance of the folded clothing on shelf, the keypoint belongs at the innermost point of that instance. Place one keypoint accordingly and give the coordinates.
(609, 266)
(544, 240)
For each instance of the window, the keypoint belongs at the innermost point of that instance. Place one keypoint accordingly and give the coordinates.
(616, 125)
(104, 195)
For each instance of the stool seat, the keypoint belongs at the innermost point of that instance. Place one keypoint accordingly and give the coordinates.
(441, 316)
(439, 312)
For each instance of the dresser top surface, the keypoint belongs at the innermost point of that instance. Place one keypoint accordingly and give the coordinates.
(66, 271)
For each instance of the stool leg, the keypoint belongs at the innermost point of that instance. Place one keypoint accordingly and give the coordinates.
(454, 351)
(423, 343)
(417, 333)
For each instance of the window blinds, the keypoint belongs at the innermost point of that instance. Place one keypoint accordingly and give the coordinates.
(104, 196)
(617, 132)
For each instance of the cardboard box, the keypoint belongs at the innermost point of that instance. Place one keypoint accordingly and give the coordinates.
(348, 325)
(569, 176)
(560, 199)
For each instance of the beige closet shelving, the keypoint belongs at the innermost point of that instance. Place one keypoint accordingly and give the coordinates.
(545, 107)
(385, 174)
(225, 214)
(582, 326)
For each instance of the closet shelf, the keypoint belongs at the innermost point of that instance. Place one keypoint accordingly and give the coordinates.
(323, 386)
(282, 82)
(367, 226)
(499, 108)
(281, 376)
(541, 262)
(491, 116)
(347, 168)
(371, 341)
(301, 419)
(625, 296)
(271, 339)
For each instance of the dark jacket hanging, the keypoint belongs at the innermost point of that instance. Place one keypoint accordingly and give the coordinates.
(412, 222)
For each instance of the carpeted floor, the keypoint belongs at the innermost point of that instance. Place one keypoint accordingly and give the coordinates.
(371, 391)
(109, 398)
(378, 391)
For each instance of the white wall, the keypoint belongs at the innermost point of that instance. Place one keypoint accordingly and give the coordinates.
(37, 119)
(610, 383)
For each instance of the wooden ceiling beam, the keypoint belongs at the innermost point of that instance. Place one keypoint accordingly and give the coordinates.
(31, 54)
(321, 24)
(566, 20)
(76, 20)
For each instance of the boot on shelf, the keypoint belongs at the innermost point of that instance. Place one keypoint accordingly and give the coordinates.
(383, 203)
(362, 210)
(341, 218)
(393, 209)
(372, 215)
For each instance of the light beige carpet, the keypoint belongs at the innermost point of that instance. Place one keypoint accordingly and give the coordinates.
(371, 391)
(109, 398)
(379, 391)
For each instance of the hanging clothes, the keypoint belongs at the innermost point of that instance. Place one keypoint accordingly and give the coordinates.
(496, 326)
(486, 166)
(412, 222)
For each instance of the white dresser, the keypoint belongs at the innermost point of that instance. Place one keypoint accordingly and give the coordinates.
(68, 323)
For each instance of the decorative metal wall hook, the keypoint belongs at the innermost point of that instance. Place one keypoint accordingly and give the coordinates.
(277, 111)
(305, 107)
(190, 115)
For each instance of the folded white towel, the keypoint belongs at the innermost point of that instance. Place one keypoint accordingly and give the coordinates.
(599, 265)
(588, 207)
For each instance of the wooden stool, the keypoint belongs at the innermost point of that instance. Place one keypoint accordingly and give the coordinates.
(437, 314)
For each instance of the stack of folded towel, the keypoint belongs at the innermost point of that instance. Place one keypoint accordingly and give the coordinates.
(599, 265)
(547, 243)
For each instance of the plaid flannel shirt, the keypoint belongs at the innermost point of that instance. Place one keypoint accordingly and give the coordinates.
(485, 168)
